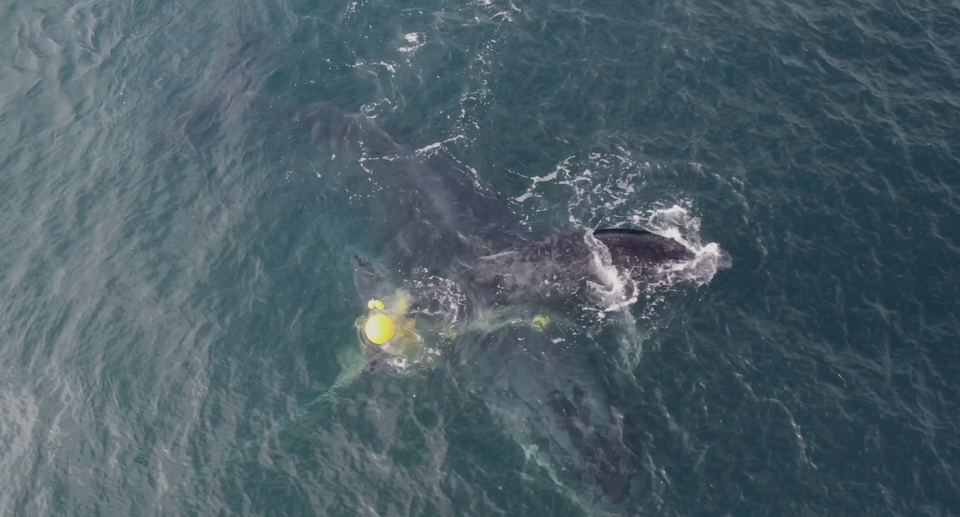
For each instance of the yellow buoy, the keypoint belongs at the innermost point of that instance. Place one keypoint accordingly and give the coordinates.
(540, 322)
(379, 328)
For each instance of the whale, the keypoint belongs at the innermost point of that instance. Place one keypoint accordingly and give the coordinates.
(419, 219)
(548, 394)
(468, 264)
(456, 251)
(566, 264)
(578, 267)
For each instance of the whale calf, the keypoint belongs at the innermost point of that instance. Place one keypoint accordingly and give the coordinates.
(566, 264)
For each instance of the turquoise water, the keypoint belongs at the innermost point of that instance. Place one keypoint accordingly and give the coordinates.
(179, 212)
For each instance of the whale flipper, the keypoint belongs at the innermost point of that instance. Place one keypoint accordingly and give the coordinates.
(553, 399)
(607, 458)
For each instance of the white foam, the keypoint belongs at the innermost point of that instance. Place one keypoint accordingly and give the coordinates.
(415, 39)
(536, 179)
(616, 290)
(677, 223)
(436, 145)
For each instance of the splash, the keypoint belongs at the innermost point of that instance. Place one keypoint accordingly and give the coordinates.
(616, 290)
(677, 223)
(414, 41)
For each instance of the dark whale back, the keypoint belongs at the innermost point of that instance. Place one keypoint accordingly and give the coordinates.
(632, 249)
(562, 264)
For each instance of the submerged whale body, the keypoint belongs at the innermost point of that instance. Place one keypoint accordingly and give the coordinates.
(608, 457)
(558, 408)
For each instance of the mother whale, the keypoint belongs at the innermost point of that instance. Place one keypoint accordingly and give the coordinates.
(548, 393)
(425, 211)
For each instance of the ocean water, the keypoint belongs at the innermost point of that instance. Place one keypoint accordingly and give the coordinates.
(182, 185)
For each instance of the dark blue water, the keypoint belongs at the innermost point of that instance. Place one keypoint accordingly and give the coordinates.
(177, 225)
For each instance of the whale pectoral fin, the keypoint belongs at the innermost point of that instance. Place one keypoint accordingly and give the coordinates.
(561, 405)
(616, 474)
(569, 417)
(601, 448)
